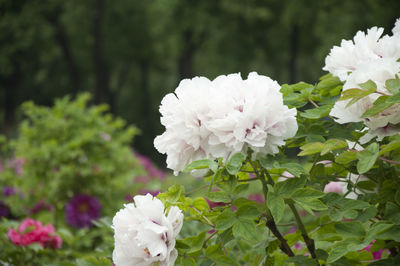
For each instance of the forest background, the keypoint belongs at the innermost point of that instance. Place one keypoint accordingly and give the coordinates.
(129, 54)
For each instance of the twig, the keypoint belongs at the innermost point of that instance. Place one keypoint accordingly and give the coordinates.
(388, 161)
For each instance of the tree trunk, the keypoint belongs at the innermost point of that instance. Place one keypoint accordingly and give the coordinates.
(294, 42)
(61, 38)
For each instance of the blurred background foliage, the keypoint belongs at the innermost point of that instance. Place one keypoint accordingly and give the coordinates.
(129, 54)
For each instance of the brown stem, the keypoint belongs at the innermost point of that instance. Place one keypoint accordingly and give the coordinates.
(309, 241)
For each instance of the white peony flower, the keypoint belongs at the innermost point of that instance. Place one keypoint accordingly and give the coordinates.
(369, 57)
(345, 59)
(382, 124)
(212, 119)
(144, 235)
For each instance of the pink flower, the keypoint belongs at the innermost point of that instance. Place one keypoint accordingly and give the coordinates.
(31, 231)
(335, 187)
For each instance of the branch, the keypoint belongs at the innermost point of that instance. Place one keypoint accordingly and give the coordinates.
(270, 219)
(309, 241)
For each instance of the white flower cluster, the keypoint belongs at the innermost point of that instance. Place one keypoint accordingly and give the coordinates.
(144, 235)
(213, 119)
(368, 57)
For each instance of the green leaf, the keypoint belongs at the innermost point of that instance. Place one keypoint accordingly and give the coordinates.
(276, 204)
(380, 105)
(195, 242)
(201, 164)
(311, 148)
(346, 157)
(367, 214)
(235, 163)
(367, 158)
(393, 85)
(311, 204)
(333, 144)
(393, 233)
(218, 196)
(294, 168)
(350, 204)
(393, 145)
(366, 185)
(317, 113)
(187, 261)
(301, 260)
(350, 229)
(376, 229)
(225, 220)
(248, 211)
(201, 204)
(245, 228)
(392, 212)
(306, 193)
(286, 187)
(338, 250)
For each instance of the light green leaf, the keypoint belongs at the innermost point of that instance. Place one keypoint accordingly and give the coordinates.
(333, 144)
(393, 85)
(235, 163)
(367, 158)
(311, 148)
(346, 157)
(218, 196)
(201, 164)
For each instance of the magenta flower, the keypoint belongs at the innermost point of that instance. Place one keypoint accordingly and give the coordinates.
(148, 165)
(81, 210)
(31, 231)
(4, 210)
(8, 191)
(42, 205)
(257, 198)
(377, 255)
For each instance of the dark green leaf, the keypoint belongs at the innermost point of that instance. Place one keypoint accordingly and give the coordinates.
(245, 228)
(350, 229)
(276, 204)
(225, 220)
(294, 168)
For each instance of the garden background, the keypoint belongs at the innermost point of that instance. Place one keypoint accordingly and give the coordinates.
(129, 54)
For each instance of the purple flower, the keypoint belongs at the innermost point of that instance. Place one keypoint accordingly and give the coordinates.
(4, 210)
(8, 191)
(81, 210)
